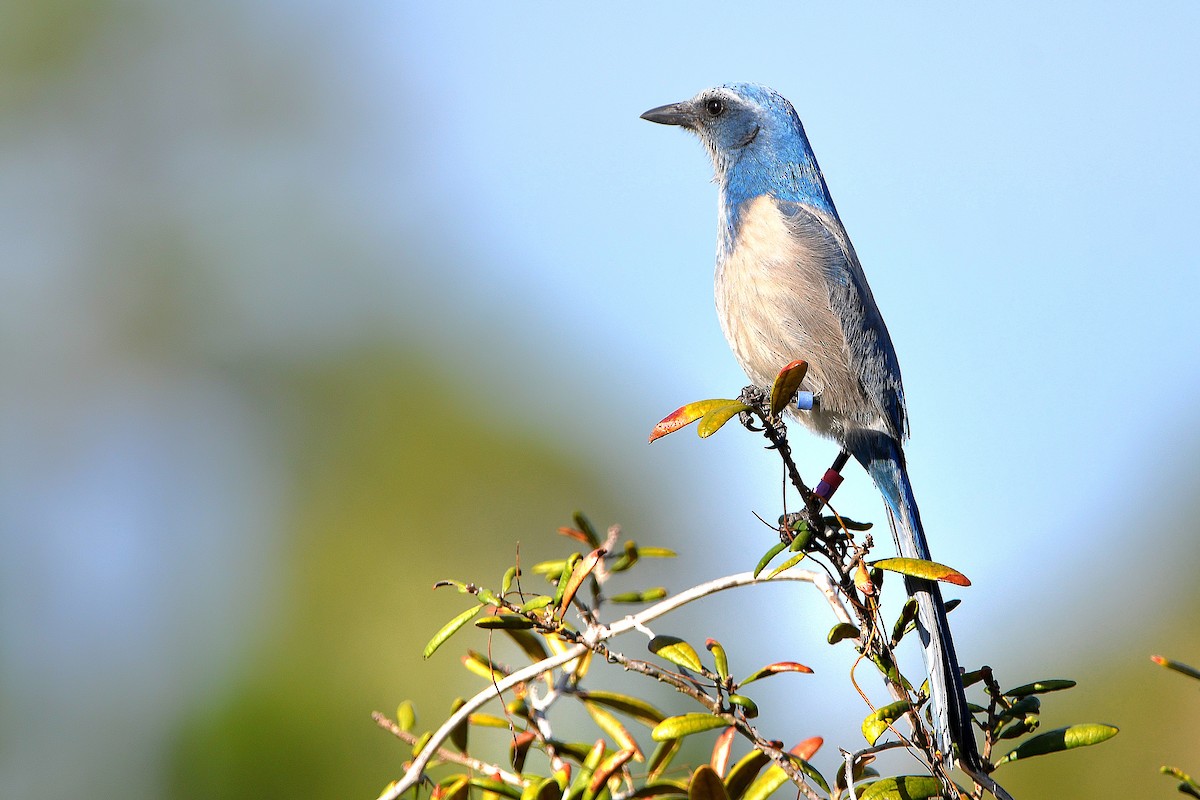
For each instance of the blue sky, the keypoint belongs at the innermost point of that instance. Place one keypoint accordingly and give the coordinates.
(1020, 184)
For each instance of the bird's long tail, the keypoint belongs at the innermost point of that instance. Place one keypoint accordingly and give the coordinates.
(883, 459)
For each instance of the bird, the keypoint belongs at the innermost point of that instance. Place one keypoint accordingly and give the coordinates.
(789, 286)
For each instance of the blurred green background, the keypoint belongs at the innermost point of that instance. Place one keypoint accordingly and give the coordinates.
(308, 306)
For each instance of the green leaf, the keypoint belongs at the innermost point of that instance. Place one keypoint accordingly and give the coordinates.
(748, 706)
(843, 630)
(791, 562)
(458, 736)
(627, 559)
(907, 614)
(634, 707)
(775, 669)
(839, 522)
(498, 622)
(661, 758)
(878, 721)
(537, 603)
(1040, 687)
(645, 596)
(420, 743)
(1061, 739)
(684, 416)
(685, 725)
(743, 773)
(582, 570)
(529, 643)
(713, 420)
(507, 580)
(919, 568)
(775, 550)
(448, 630)
(585, 526)
(677, 651)
(457, 788)
(545, 789)
(905, 787)
(1178, 666)
(564, 576)
(480, 720)
(706, 785)
(406, 716)
(720, 659)
(495, 786)
(786, 384)
(660, 789)
(1186, 784)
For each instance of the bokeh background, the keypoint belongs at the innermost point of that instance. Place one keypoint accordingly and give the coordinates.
(308, 305)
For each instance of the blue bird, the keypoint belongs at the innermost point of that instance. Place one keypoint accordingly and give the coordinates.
(789, 286)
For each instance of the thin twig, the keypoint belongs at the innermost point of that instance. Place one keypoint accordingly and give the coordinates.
(588, 639)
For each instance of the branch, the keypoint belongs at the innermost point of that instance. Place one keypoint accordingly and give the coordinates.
(591, 637)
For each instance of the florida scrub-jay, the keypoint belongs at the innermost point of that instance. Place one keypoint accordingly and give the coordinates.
(789, 286)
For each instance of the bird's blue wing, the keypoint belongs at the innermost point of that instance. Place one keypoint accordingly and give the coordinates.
(871, 355)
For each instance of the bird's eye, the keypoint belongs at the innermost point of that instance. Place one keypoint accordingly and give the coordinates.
(714, 107)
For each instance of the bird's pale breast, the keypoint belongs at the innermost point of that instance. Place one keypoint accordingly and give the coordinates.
(773, 302)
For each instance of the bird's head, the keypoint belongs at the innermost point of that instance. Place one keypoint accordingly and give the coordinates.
(737, 119)
(757, 144)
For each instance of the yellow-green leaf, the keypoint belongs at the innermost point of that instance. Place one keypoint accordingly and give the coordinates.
(1061, 739)
(713, 421)
(644, 596)
(706, 785)
(457, 789)
(537, 603)
(881, 719)
(640, 710)
(720, 659)
(656, 552)
(743, 773)
(612, 726)
(498, 622)
(791, 562)
(905, 787)
(506, 582)
(786, 384)
(449, 630)
(677, 651)
(920, 568)
(766, 784)
(529, 643)
(406, 716)
(685, 725)
(488, 721)
(498, 787)
(682, 417)
(661, 758)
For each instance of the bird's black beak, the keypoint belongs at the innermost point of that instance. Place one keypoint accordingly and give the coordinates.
(674, 114)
